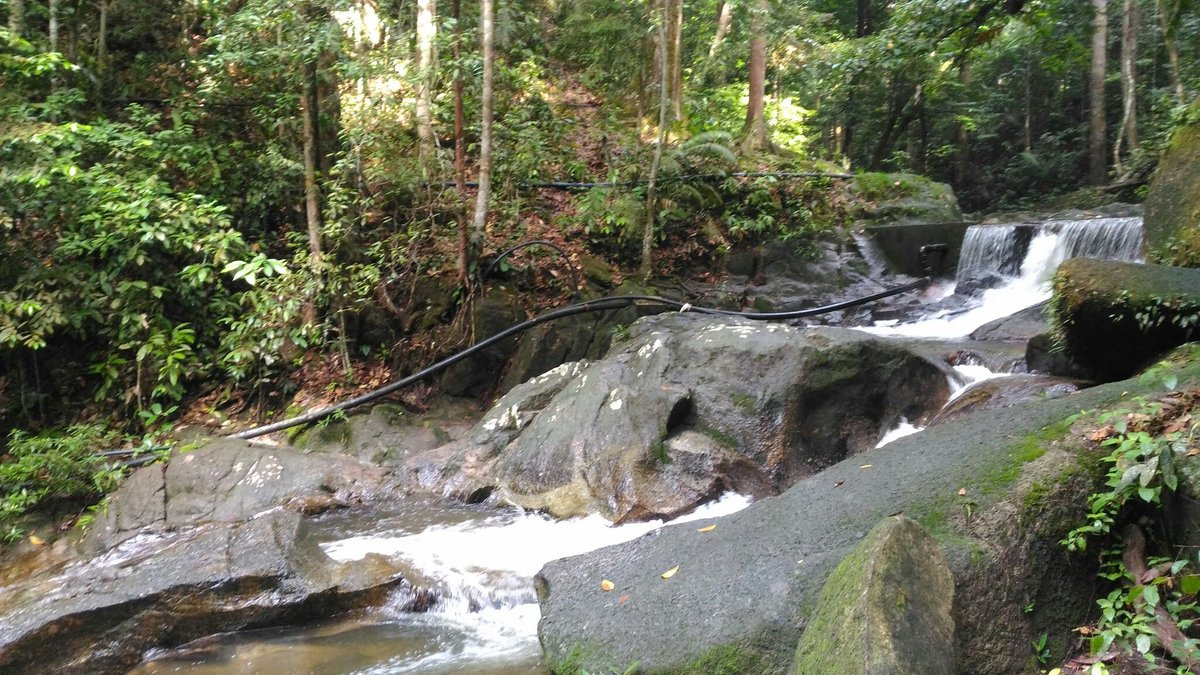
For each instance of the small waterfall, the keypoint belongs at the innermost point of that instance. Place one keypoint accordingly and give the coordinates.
(1024, 257)
(1006, 249)
(993, 249)
(1106, 238)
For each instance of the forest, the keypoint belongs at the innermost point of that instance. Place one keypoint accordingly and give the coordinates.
(210, 205)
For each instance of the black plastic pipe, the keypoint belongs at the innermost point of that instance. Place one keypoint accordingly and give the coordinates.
(600, 305)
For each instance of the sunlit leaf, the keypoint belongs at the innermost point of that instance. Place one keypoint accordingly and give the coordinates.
(671, 572)
(709, 528)
(606, 585)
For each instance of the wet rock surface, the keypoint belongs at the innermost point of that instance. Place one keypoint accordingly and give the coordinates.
(1007, 391)
(764, 405)
(228, 481)
(100, 615)
(744, 589)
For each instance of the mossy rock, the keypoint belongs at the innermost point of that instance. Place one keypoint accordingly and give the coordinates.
(1114, 317)
(890, 198)
(1173, 200)
(886, 608)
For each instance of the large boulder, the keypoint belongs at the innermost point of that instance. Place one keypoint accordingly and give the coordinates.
(889, 198)
(230, 480)
(102, 614)
(1173, 200)
(1114, 317)
(688, 407)
(998, 489)
(886, 608)
(387, 433)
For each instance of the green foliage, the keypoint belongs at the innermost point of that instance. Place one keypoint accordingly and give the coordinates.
(104, 248)
(53, 466)
(1145, 443)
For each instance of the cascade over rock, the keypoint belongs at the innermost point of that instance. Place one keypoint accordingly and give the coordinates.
(688, 407)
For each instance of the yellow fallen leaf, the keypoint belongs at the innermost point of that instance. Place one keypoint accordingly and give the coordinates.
(671, 572)
(962, 492)
(709, 528)
(606, 585)
(866, 466)
(36, 540)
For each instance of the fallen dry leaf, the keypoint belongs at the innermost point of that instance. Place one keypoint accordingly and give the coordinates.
(839, 483)
(709, 528)
(623, 599)
(866, 466)
(36, 540)
(962, 492)
(606, 585)
(1193, 452)
(671, 572)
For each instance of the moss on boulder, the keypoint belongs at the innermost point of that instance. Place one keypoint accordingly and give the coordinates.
(886, 608)
(1173, 200)
(1114, 317)
(890, 198)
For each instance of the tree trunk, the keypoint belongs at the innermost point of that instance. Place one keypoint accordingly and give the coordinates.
(460, 152)
(652, 183)
(1127, 133)
(724, 23)
(52, 11)
(312, 198)
(101, 50)
(962, 158)
(1166, 23)
(16, 17)
(1097, 171)
(675, 52)
(426, 36)
(755, 135)
(487, 28)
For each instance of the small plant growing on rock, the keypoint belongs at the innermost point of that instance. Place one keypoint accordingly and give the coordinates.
(1154, 604)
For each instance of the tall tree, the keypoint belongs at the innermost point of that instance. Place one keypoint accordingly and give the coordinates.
(52, 17)
(724, 23)
(16, 17)
(426, 37)
(1168, 22)
(664, 79)
(460, 150)
(1127, 133)
(487, 37)
(312, 196)
(755, 134)
(675, 54)
(1098, 128)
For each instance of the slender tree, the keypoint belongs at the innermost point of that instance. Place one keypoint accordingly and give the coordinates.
(1127, 134)
(724, 23)
(16, 17)
(460, 150)
(487, 35)
(426, 37)
(1168, 22)
(755, 134)
(664, 71)
(675, 54)
(52, 11)
(1098, 129)
(312, 196)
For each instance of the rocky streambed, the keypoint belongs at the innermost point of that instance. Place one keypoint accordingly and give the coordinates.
(413, 541)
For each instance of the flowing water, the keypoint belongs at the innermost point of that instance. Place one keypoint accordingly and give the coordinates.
(481, 561)
(985, 247)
